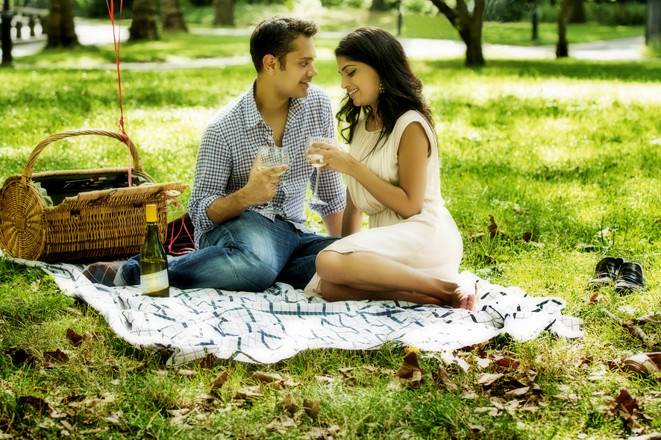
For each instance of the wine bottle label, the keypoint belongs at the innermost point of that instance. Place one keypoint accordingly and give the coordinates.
(153, 282)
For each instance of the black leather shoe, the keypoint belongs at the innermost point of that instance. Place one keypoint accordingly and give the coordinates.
(607, 271)
(630, 278)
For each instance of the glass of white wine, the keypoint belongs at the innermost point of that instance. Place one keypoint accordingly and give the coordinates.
(317, 161)
(270, 156)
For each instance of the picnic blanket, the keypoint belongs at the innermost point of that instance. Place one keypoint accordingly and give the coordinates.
(276, 324)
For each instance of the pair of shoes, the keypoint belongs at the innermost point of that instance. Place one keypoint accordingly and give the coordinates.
(628, 276)
(102, 272)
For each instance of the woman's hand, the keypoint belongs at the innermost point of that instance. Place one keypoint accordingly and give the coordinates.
(334, 158)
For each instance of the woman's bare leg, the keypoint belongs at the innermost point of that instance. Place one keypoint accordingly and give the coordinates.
(337, 292)
(365, 271)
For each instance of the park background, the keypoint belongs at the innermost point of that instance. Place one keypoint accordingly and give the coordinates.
(548, 164)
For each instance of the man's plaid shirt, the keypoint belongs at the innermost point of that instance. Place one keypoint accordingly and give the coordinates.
(229, 147)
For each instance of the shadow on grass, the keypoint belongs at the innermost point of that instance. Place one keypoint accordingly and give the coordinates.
(593, 70)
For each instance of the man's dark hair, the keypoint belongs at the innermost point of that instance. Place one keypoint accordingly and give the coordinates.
(276, 36)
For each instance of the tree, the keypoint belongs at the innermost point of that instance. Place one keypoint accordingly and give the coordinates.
(653, 27)
(172, 16)
(223, 12)
(144, 25)
(469, 26)
(562, 48)
(61, 30)
(578, 12)
(379, 5)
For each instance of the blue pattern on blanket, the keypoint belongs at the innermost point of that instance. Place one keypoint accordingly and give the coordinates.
(276, 324)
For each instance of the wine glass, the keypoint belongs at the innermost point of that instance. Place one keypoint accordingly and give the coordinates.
(270, 156)
(317, 161)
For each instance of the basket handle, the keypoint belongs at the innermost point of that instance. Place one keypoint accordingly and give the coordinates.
(123, 138)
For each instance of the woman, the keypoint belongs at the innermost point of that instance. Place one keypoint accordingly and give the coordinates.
(413, 245)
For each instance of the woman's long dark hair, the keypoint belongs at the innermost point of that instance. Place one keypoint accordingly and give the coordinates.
(402, 90)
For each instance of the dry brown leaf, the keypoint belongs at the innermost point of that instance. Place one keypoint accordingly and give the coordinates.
(475, 428)
(595, 298)
(518, 392)
(288, 404)
(493, 227)
(318, 433)
(527, 236)
(488, 379)
(410, 371)
(219, 382)
(186, 372)
(506, 363)
(626, 407)
(469, 395)
(75, 338)
(312, 408)
(264, 377)
(346, 371)
(209, 361)
(56, 356)
(37, 403)
(115, 418)
(19, 356)
(482, 363)
(281, 425)
(442, 380)
(248, 393)
(491, 411)
(325, 379)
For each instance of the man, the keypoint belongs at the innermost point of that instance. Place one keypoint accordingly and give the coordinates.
(240, 246)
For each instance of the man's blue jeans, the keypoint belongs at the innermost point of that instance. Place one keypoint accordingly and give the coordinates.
(247, 253)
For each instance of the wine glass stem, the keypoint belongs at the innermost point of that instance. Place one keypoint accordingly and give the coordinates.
(315, 194)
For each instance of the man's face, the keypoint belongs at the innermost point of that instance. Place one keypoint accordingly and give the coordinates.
(293, 79)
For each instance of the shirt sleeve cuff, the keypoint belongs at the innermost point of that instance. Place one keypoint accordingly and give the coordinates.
(202, 221)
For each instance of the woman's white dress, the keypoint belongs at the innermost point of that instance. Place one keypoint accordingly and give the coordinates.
(429, 241)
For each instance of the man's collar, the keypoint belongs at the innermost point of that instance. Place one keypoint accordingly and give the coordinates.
(252, 115)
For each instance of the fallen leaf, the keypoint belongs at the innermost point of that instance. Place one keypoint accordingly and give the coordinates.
(410, 371)
(19, 356)
(475, 428)
(527, 236)
(39, 404)
(442, 380)
(219, 382)
(506, 363)
(493, 227)
(325, 379)
(312, 408)
(186, 372)
(491, 411)
(288, 404)
(487, 379)
(264, 377)
(626, 407)
(56, 356)
(595, 298)
(476, 236)
(74, 338)
(248, 393)
(281, 425)
(482, 362)
(209, 361)
(115, 418)
(318, 433)
(469, 395)
(518, 392)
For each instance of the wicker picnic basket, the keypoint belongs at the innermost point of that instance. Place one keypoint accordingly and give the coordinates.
(105, 223)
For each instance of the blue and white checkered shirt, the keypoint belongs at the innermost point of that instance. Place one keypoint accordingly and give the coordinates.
(229, 147)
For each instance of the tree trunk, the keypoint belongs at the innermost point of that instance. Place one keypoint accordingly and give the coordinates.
(144, 25)
(378, 5)
(172, 16)
(535, 24)
(578, 13)
(469, 25)
(61, 30)
(223, 12)
(653, 27)
(562, 48)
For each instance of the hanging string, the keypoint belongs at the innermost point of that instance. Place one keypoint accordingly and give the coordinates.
(116, 38)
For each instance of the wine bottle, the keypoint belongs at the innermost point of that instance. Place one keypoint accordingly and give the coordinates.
(153, 263)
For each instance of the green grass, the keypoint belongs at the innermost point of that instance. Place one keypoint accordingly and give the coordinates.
(562, 150)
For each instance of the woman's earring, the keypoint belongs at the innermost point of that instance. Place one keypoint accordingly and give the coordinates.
(381, 89)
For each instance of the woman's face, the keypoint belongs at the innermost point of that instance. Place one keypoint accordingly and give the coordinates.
(360, 81)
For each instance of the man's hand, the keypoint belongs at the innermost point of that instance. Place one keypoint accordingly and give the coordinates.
(262, 183)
